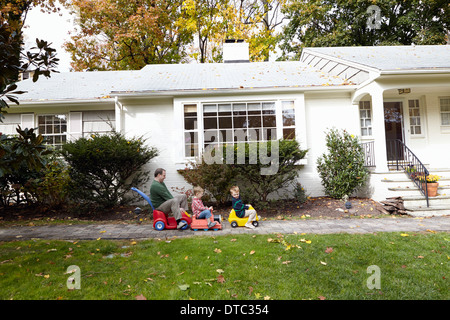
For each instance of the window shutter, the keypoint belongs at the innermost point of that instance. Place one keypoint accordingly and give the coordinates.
(27, 121)
(75, 125)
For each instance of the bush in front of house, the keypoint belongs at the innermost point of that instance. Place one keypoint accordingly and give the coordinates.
(258, 168)
(22, 158)
(103, 168)
(342, 168)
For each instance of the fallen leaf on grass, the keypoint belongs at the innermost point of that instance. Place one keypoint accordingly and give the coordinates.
(324, 263)
(321, 297)
(286, 262)
(404, 235)
(220, 279)
(329, 250)
(140, 297)
(252, 252)
(217, 250)
(183, 287)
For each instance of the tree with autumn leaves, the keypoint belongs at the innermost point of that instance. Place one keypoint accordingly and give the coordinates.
(123, 35)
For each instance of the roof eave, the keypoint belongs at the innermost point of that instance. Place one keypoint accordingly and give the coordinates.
(348, 87)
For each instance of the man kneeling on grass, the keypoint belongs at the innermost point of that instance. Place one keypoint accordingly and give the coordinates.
(163, 200)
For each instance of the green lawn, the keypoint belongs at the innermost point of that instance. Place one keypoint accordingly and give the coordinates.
(412, 266)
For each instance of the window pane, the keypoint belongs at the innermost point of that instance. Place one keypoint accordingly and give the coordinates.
(210, 123)
(268, 108)
(289, 133)
(254, 122)
(288, 119)
(240, 122)
(190, 123)
(210, 110)
(269, 121)
(225, 122)
(270, 133)
(224, 109)
(239, 109)
(211, 136)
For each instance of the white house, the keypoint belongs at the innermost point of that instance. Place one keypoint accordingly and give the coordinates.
(378, 93)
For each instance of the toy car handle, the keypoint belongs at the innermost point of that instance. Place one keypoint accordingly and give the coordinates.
(144, 196)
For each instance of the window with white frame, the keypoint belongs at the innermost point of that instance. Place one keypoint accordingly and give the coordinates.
(53, 128)
(209, 124)
(190, 130)
(238, 122)
(288, 112)
(365, 117)
(414, 117)
(445, 110)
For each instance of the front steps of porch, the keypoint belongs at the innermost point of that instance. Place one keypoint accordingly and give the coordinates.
(397, 184)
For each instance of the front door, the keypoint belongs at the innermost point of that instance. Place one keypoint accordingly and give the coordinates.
(393, 123)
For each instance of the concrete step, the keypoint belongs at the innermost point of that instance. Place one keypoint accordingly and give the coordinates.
(433, 211)
(418, 201)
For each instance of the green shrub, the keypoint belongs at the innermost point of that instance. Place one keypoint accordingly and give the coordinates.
(103, 168)
(22, 157)
(216, 179)
(259, 175)
(51, 188)
(259, 168)
(342, 169)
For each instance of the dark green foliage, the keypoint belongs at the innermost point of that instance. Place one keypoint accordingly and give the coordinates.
(258, 168)
(103, 168)
(342, 169)
(22, 158)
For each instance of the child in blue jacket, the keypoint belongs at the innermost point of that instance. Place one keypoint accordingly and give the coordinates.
(241, 209)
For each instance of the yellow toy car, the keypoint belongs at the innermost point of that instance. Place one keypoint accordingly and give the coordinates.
(235, 221)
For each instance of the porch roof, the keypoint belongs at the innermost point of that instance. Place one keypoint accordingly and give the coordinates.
(387, 58)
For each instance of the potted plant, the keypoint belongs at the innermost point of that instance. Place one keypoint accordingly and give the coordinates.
(412, 171)
(431, 185)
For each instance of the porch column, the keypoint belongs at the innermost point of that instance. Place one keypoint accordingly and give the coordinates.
(378, 130)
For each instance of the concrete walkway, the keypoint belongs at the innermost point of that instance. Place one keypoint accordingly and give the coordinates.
(135, 231)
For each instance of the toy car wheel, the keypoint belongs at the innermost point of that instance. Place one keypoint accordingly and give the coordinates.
(255, 223)
(234, 224)
(159, 225)
(185, 226)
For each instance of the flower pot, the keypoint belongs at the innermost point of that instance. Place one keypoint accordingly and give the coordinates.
(431, 188)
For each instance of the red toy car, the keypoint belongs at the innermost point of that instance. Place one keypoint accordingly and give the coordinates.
(202, 224)
(160, 220)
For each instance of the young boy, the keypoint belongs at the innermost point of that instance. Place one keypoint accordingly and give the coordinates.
(241, 209)
(199, 210)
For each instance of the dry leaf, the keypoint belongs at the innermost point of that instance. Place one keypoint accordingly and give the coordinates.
(220, 279)
(217, 250)
(252, 252)
(321, 297)
(324, 263)
(140, 297)
(329, 250)
(286, 262)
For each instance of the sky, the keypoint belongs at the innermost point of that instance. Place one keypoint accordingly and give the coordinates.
(51, 27)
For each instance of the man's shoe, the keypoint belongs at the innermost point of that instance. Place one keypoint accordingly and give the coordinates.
(181, 224)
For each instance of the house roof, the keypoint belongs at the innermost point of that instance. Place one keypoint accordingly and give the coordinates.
(330, 67)
(176, 77)
(385, 58)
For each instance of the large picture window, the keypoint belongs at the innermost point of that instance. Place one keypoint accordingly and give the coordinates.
(239, 122)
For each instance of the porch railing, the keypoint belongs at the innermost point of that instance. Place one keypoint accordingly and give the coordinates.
(369, 154)
(401, 157)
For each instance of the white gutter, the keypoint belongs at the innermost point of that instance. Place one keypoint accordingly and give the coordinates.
(246, 90)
